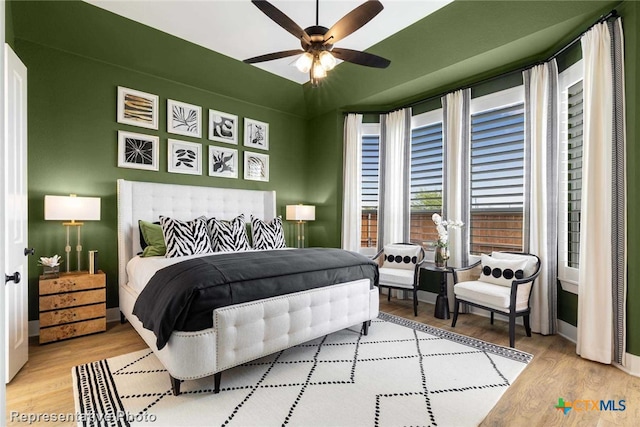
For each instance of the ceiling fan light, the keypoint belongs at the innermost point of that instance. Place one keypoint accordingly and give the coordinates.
(304, 62)
(327, 60)
(318, 71)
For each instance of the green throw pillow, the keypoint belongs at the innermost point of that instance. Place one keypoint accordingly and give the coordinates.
(152, 234)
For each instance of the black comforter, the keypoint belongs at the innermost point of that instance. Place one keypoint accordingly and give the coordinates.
(182, 296)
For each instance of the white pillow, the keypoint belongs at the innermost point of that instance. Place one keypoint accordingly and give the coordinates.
(532, 262)
(401, 256)
(501, 271)
(228, 236)
(267, 235)
(185, 237)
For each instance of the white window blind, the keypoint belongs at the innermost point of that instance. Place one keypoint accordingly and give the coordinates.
(570, 175)
(573, 184)
(497, 179)
(426, 181)
(370, 189)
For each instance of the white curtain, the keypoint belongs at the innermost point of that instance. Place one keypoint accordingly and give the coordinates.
(395, 130)
(541, 137)
(352, 182)
(456, 106)
(602, 269)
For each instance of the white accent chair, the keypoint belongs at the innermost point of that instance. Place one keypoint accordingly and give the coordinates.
(400, 269)
(500, 283)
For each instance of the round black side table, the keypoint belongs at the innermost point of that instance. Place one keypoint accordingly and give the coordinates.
(442, 300)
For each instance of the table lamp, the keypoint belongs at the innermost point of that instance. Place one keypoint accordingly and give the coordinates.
(301, 214)
(72, 209)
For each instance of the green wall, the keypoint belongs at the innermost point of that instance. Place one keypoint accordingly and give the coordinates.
(73, 146)
(324, 182)
(8, 29)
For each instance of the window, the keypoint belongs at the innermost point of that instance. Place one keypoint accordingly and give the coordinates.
(370, 185)
(426, 175)
(497, 172)
(573, 186)
(570, 175)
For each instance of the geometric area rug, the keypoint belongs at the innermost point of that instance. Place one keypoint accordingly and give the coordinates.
(403, 373)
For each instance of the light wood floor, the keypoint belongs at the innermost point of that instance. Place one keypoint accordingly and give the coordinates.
(44, 384)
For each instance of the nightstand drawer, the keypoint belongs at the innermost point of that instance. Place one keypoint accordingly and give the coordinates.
(70, 282)
(76, 314)
(72, 299)
(70, 330)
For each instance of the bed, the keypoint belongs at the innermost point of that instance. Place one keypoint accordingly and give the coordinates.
(241, 332)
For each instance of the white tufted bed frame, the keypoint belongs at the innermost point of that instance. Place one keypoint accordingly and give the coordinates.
(241, 332)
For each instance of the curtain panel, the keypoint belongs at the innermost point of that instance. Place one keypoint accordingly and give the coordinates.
(352, 183)
(395, 152)
(602, 270)
(457, 140)
(541, 201)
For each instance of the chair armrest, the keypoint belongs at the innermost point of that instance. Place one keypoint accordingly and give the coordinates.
(527, 279)
(424, 257)
(377, 258)
(467, 274)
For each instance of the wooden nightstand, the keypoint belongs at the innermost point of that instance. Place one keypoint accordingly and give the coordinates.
(72, 305)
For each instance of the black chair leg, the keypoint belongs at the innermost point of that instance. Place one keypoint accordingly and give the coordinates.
(456, 309)
(175, 386)
(492, 317)
(388, 294)
(527, 325)
(512, 330)
(415, 302)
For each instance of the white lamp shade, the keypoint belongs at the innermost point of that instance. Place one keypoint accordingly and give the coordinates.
(301, 213)
(71, 208)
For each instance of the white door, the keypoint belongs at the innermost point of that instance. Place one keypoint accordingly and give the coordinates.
(15, 224)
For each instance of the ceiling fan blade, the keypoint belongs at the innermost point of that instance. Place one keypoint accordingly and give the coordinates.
(272, 56)
(281, 19)
(361, 58)
(352, 21)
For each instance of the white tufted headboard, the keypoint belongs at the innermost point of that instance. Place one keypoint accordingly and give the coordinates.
(148, 200)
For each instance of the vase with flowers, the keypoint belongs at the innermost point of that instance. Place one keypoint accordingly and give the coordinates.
(50, 266)
(442, 245)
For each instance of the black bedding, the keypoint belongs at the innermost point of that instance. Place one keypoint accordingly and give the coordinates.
(182, 296)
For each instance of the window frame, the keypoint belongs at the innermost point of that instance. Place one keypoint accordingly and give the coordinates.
(425, 119)
(370, 129)
(501, 99)
(568, 276)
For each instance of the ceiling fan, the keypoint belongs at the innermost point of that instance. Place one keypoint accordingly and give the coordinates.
(318, 51)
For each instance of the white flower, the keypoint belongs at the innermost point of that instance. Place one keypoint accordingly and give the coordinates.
(442, 226)
(54, 261)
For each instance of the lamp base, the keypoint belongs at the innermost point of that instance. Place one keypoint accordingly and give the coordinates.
(67, 247)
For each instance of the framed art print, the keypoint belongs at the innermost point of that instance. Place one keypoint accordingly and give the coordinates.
(184, 119)
(137, 151)
(223, 162)
(256, 166)
(137, 108)
(256, 134)
(184, 157)
(223, 127)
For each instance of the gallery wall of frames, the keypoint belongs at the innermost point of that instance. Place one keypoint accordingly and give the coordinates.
(141, 150)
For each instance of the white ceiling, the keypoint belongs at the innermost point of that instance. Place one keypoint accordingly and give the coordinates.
(238, 29)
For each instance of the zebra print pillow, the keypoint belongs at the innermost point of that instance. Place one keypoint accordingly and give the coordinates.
(227, 236)
(185, 237)
(267, 235)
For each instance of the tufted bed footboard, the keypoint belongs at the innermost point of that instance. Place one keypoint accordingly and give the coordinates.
(245, 332)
